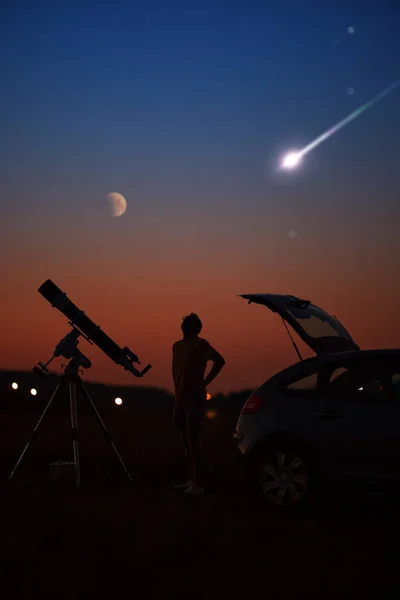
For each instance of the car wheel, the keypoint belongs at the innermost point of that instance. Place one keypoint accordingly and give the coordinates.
(285, 477)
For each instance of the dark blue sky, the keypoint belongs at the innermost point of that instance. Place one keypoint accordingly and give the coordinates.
(172, 93)
(186, 108)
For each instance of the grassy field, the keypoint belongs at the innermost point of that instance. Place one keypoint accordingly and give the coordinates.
(116, 540)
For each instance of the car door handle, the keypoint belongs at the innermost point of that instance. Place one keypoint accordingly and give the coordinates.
(328, 415)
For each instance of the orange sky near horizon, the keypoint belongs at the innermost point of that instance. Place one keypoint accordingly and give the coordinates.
(139, 302)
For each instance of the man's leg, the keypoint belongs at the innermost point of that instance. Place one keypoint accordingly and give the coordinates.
(193, 430)
(185, 443)
(180, 425)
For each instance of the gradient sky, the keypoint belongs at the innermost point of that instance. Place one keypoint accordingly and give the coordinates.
(185, 108)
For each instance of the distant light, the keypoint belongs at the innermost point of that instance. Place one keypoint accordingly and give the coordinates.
(118, 401)
(291, 160)
(14, 386)
(33, 392)
(209, 396)
(360, 389)
(211, 414)
(351, 30)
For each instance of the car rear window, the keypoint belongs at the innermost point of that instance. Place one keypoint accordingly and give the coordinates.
(317, 323)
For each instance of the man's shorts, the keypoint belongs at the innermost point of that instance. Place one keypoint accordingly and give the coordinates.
(188, 419)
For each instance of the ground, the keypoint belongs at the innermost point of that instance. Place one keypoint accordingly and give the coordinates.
(116, 540)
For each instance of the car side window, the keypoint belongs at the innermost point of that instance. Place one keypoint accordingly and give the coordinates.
(340, 376)
(303, 385)
(356, 383)
(372, 391)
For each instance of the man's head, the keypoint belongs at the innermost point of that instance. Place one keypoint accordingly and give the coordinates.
(191, 325)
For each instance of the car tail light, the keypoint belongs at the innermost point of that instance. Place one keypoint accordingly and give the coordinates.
(252, 405)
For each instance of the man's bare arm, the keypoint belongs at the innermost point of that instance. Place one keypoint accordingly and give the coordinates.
(219, 362)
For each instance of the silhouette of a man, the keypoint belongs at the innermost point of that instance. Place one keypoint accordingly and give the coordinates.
(189, 362)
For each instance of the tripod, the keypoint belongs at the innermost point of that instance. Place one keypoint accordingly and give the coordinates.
(72, 378)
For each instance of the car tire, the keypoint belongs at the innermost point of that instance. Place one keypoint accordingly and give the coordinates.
(285, 476)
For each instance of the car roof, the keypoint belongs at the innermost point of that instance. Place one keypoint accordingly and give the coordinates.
(317, 361)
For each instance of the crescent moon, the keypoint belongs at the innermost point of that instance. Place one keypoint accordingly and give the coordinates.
(118, 204)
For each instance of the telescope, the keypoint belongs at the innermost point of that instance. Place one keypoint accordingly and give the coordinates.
(67, 347)
(85, 327)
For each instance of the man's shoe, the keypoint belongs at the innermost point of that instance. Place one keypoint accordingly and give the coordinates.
(183, 486)
(194, 490)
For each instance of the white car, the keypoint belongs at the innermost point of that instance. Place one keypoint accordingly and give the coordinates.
(335, 413)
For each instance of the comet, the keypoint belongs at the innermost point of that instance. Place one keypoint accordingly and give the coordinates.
(292, 159)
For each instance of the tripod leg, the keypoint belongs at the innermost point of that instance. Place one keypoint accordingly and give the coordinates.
(74, 428)
(34, 433)
(105, 432)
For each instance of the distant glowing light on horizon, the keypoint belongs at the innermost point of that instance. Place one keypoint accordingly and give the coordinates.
(211, 414)
(209, 396)
(292, 159)
(33, 392)
(118, 401)
(14, 385)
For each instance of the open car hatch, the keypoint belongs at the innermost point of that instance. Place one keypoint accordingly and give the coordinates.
(322, 332)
